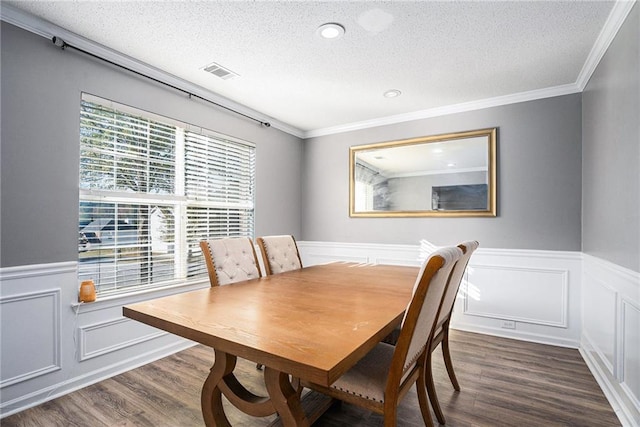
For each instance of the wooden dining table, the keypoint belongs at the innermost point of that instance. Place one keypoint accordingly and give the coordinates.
(311, 324)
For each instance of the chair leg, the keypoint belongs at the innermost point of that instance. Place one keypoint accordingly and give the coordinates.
(431, 390)
(391, 415)
(447, 360)
(422, 399)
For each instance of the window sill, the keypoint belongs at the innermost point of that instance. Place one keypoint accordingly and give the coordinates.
(118, 300)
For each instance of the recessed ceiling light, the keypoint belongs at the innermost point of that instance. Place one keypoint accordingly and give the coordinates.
(393, 93)
(331, 30)
(451, 164)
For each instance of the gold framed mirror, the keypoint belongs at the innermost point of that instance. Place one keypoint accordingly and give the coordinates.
(448, 175)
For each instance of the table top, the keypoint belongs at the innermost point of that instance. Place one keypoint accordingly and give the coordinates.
(313, 323)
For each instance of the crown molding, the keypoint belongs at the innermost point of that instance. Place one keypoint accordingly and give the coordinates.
(48, 30)
(616, 18)
(449, 109)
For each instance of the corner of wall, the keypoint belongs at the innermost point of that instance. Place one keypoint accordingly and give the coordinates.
(610, 337)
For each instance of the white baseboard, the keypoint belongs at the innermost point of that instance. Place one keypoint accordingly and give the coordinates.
(516, 335)
(610, 335)
(588, 303)
(51, 345)
(51, 392)
(588, 295)
(628, 415)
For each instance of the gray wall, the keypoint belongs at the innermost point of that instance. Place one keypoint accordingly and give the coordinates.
(611, 151)
(539, 161)
(41, 87)
(539, 181)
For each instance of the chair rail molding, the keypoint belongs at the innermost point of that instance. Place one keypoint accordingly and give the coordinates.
(536, 291)
(61, 345)
(573, 300)
(596, 305)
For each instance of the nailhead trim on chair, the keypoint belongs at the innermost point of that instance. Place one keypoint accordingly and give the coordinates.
(413, 360)
(373, 399)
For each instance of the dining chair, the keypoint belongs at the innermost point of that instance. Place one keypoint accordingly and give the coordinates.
(380, 380)
(230, 260)
(441, 332)
(279, 253)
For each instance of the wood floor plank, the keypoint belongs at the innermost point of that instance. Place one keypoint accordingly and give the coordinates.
(504, 383)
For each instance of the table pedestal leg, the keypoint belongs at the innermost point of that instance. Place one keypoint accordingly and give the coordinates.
(285, 398)
(211, 399)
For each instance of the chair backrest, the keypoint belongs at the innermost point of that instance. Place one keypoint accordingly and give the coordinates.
(280, 253)
(420, 317)
(449, 299)
(230, 260)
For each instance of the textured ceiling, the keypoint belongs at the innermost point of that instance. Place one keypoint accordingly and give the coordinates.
(437, 53)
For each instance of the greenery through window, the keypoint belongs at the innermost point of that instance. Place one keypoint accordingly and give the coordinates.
(150, 189)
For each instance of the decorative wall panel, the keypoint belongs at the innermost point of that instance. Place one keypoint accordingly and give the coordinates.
(599, 319)
(631, 351)
(112, 335)
(30, 328)
(522, 294)
(611, 333)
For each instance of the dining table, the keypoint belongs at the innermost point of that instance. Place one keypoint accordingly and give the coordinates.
(309, 325)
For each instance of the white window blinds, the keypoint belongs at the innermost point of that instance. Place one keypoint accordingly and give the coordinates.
(150, 190)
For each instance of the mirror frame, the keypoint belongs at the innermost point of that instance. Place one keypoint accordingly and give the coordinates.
(491, 210)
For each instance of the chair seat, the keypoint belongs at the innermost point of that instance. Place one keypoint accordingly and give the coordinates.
(368, 378)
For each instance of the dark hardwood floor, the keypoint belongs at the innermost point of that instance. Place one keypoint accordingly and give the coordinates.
(504, 383)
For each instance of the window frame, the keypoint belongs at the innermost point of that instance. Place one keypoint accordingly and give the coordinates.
(186, 252)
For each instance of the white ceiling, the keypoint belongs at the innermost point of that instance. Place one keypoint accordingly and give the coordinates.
(438, 54)
(436, 157)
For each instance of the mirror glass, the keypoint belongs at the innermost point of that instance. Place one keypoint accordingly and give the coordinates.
(440, 175)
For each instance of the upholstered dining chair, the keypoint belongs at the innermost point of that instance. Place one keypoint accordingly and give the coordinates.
(279, 253)
(381, 379)
(230, 260)
(441, 332)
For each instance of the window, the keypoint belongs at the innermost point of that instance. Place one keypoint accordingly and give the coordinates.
(150, 189)
(368, 186)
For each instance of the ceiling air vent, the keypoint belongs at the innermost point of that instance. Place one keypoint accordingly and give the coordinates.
(219, 71)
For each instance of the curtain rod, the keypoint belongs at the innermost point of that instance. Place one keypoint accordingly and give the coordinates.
(62, 44)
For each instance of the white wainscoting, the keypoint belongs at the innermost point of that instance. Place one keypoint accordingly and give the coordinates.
(554, 297)
(111, 335)
(37, 315)
(611, 333)
(502, 292)
(51, 345)
(537, 292)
